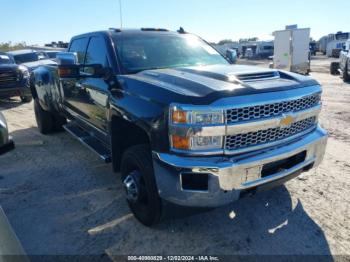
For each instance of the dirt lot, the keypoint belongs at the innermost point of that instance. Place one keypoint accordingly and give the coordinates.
(60, 199)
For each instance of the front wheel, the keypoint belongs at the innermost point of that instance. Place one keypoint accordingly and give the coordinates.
(140, 185)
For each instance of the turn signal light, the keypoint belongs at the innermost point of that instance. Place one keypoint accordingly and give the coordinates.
(67, 72)
(180, 142)
(179, 117)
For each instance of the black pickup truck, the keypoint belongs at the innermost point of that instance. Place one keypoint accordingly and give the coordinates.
(14, 79)
(179, 122)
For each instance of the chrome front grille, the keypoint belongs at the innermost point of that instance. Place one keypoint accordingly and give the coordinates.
(8, 77)
(271, 110)
(261, 137)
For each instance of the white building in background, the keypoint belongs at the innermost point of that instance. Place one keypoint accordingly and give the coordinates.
(331, 44)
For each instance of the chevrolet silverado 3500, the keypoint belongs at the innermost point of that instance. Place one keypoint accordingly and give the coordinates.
(179, 122)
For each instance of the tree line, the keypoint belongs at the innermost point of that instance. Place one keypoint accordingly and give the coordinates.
(242, 40)
(9, 46)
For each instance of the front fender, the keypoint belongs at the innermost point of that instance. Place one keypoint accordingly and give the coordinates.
(149, 116)
(44, 84)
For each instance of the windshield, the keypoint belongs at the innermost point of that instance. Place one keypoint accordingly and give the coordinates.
(4, 59)
(142, 52)
(25, 58)
(51, 54)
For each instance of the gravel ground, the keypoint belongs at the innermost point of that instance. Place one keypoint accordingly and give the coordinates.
(60, 199)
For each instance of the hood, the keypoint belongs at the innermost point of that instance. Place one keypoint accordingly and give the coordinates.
(6, 67)
(217, 81)
(32, 65)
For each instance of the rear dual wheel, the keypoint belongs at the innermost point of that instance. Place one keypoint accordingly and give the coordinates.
(47, 122)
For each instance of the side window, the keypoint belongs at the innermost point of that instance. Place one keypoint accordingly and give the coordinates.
(79, 46)
(97, 52)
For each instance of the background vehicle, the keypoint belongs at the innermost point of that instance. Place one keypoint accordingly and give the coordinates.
(344, 61)
(27, 55)
(14, 79)
(6, 143)
(313, 48)
(51, 54)
(343, 65)
(332, 44)
(257, 49)
(180, 123)
(31, 58)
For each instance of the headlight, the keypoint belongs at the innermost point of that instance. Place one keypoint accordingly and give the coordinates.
(208, 118)
(206, 142)
(196, 118)
(24, 71)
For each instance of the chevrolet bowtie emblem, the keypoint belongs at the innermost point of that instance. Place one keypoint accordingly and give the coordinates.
(286, 121)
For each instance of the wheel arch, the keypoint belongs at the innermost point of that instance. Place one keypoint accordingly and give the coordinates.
(32, 86)
(41, 84)
(125, 134)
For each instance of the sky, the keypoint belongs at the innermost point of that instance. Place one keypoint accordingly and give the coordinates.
(43, 21)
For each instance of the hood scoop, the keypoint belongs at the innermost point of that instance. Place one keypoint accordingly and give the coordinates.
(260, 76)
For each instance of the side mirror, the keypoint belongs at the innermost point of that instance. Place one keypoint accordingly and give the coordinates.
(68, 66)
(66, 58)
(231, 57)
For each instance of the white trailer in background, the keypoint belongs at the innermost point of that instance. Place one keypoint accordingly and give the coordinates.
(292, 50)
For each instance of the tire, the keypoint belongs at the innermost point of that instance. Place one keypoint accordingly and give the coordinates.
(346, 76)
(47, 122)
(137, 168)
(26, 99)
(58, 122)
(334, 68)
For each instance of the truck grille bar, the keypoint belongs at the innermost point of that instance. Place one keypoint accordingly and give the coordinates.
(8, 77)
(271, 110)
(260, 137)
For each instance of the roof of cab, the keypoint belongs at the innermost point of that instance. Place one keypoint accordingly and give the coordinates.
(21, 52)
(128, 32)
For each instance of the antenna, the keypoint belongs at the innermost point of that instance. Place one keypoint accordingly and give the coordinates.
(121, 14)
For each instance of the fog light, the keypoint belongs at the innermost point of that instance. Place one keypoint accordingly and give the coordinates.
(179, 142)
(206, 142)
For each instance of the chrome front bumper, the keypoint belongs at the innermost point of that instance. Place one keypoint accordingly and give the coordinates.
(228, 176)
